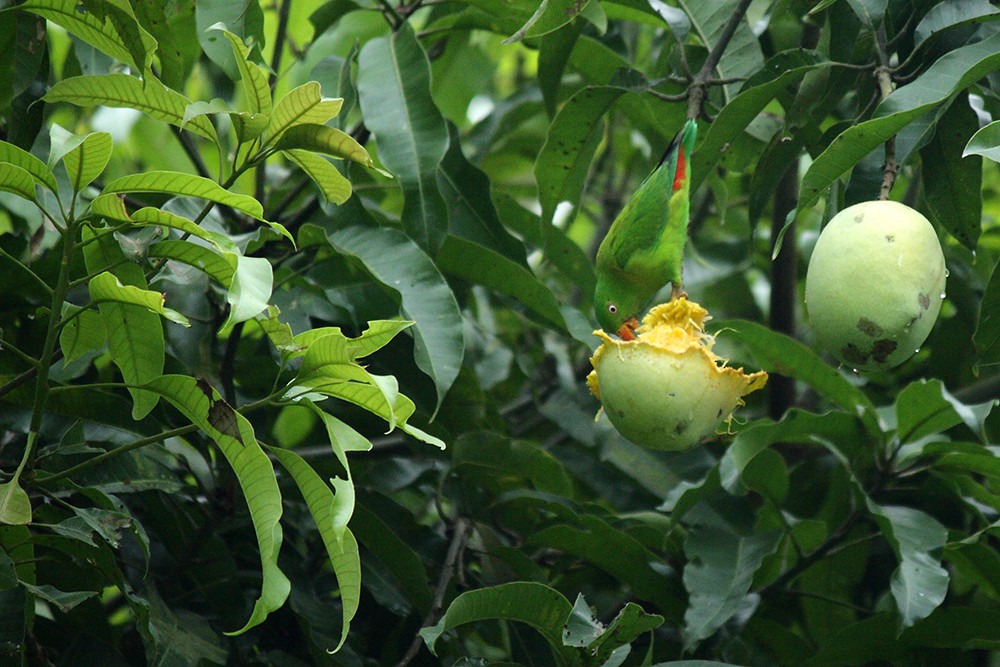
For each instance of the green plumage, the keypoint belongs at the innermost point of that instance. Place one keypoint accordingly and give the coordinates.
(644, 249)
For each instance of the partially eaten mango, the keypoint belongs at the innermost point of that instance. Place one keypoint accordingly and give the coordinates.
(667, 389)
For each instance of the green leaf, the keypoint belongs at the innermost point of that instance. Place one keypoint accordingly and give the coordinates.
(946, 15)
(248, 125)
(395, 94)
(324, 139)
(778, 353)
(543, 608)
(721, 565)
(919, 584)
(482, 266)
(135, 333)
(836, 429)
(234, 435)
(472, 215)
(64, 601)
(17, 180)
(86, 161)
(331, 183)
(15, 506)
(742, 56)
(220, 268)
(117, 33)
(83, 334)
(188, 185)
(987, 335)
(946, 77)
(105, 287)
(150, 215)
(250, 289)
(630, 622)
(398, 264)
(341, 546)
(564, 160)
(951, 181)
(255, 84)
(244, 18)
(110, 207)
(925, 407)
(871, 12)
(550, 15)
(19, 157)
(777, 74)
(302, 105)
(553, 53)
(124, 91)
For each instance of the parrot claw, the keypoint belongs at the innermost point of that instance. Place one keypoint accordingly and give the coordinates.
(677, 292)
(627, 330)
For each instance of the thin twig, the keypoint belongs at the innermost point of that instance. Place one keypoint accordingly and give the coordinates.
(463, 531)
(883, 74)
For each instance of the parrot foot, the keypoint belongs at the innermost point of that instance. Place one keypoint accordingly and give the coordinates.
(677, 292)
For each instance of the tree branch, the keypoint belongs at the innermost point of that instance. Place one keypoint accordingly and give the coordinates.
(463, 531)
(883, 74)
(698, 87)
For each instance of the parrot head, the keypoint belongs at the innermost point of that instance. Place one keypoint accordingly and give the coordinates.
(616, 307)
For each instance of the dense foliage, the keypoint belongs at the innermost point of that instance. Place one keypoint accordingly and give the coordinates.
(296, 316)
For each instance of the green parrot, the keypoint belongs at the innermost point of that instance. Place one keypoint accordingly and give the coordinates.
(644, 249)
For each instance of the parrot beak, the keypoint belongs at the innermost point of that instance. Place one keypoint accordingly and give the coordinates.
(627, 330)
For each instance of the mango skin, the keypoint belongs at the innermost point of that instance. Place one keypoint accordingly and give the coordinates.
(875, 284)
(667, 390)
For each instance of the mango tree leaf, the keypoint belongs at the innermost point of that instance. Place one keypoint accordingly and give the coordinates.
(301, 105)
(708, 20)
(987, 335)
(553, 54)
(324, 139)
(341, 546)
(946, 15)
(250, 289)
(924, 408)
(777, 74)
(472, 215)
(482, 266)
(234, 435)
(19, 157)
(86, 161)
(218, 267)
(840, 430)
(397, 263)
(334, 187)
(541, 607)
(173, 27)
(919, 584)
(564, 160)
(630, 622)
(871, 12)
(105, 287)
(17, 180)
(985, 142)
(412, 137)
(82, 334)
(135, 333)
(100, 32)
(15, 506)
(124, 91)
(255, 84)
(64, 601)
(189, 185)
(150, 215)
(720, 568)
(778, 353)
(550, 15)
(950, 74)
(949, 178)
(244, 18)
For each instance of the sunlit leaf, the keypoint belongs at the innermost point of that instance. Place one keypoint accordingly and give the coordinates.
(301, 105)
(19, 157)
(324, 139)
(121, 90)
(219, 267)
(550, 15)
(250, 289)
(87, 161)
(15, 506)
(105, 287)
(255, 84)
(17, 180)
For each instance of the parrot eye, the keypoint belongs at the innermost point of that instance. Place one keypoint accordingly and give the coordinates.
(612, 308)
